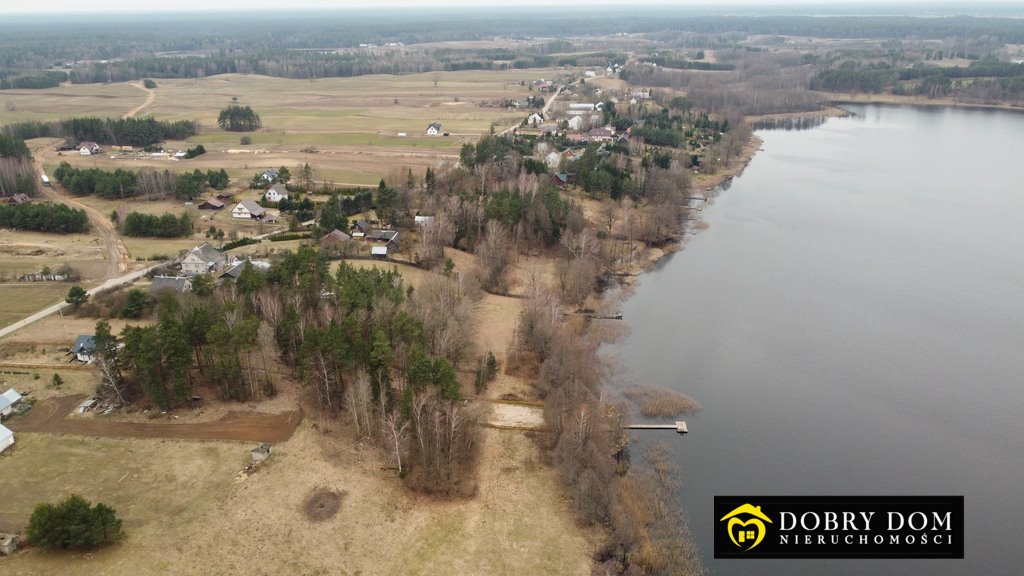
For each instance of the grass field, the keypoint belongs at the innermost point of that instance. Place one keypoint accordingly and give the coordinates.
(103, 100)
(22, 299)
(186, 509)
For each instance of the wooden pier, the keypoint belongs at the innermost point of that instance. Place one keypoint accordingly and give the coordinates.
(679, 427)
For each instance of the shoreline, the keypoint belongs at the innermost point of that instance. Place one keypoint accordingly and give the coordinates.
(703, 185)
(836, 99)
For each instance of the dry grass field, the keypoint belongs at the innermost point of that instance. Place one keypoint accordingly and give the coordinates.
(103, 100)
(349, 128)
(187, 509)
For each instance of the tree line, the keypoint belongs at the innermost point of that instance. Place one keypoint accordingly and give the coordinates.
(121, 183)
(150, 225)
(138, 132)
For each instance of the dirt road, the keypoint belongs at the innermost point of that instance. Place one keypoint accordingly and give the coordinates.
(150, 98)
(50, 416)
(117, 255)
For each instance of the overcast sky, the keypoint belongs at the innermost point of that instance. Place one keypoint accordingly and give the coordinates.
(36, 6)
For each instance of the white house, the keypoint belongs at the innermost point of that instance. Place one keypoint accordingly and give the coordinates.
(269, 175)
(434, 129)
(553, 159)
(421, 220)
(247, 210)
(202, 259)
(535, 119)
(276, 193)
(88, 148)
(83, 348)
(6, 438)
(8, 401)
(590, 74)
(575, 122)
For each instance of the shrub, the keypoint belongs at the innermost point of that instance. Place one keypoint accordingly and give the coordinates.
(149, 83)
(74, 523)
(245, 141)
(237, 243)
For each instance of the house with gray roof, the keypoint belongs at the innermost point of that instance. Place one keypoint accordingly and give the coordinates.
(176, 284)
(202, 259)
(83, 348)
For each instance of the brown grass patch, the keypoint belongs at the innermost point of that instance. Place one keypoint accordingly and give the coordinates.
(659, 402)
(322, 503)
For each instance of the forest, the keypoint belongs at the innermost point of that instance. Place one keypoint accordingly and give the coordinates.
(301, 44)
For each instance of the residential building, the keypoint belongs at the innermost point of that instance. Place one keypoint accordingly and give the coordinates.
(248, 210)
(176, 284)
(83, 348)
(434, 129)
(276, 193)
(202, 259)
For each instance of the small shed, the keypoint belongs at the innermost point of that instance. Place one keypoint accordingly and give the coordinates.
(8, 402)
(379, 252)
(87, 405)
(261, 452)
(6, 438)
(8, 544)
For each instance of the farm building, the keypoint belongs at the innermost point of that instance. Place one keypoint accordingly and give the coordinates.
(388, 237)
(379, 252)
(276, 193)
(248, 210)
(421, 220)
(203, 259)
(211, 204)
(19, 199)
(361, 228)
(335, 239)
(434, 129)
(9, 402)
(176, 284)
(83, 348)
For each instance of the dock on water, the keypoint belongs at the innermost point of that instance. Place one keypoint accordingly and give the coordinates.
(679, 427)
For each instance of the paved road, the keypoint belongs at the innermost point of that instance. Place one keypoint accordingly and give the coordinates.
(106, 285)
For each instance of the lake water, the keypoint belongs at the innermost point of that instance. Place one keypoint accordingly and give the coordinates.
(853, 323)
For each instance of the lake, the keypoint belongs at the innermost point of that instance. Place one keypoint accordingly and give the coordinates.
(853, 323)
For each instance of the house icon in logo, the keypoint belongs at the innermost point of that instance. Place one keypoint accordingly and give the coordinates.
(750, 523)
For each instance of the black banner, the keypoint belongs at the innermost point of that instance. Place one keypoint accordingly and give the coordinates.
(839, 526)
